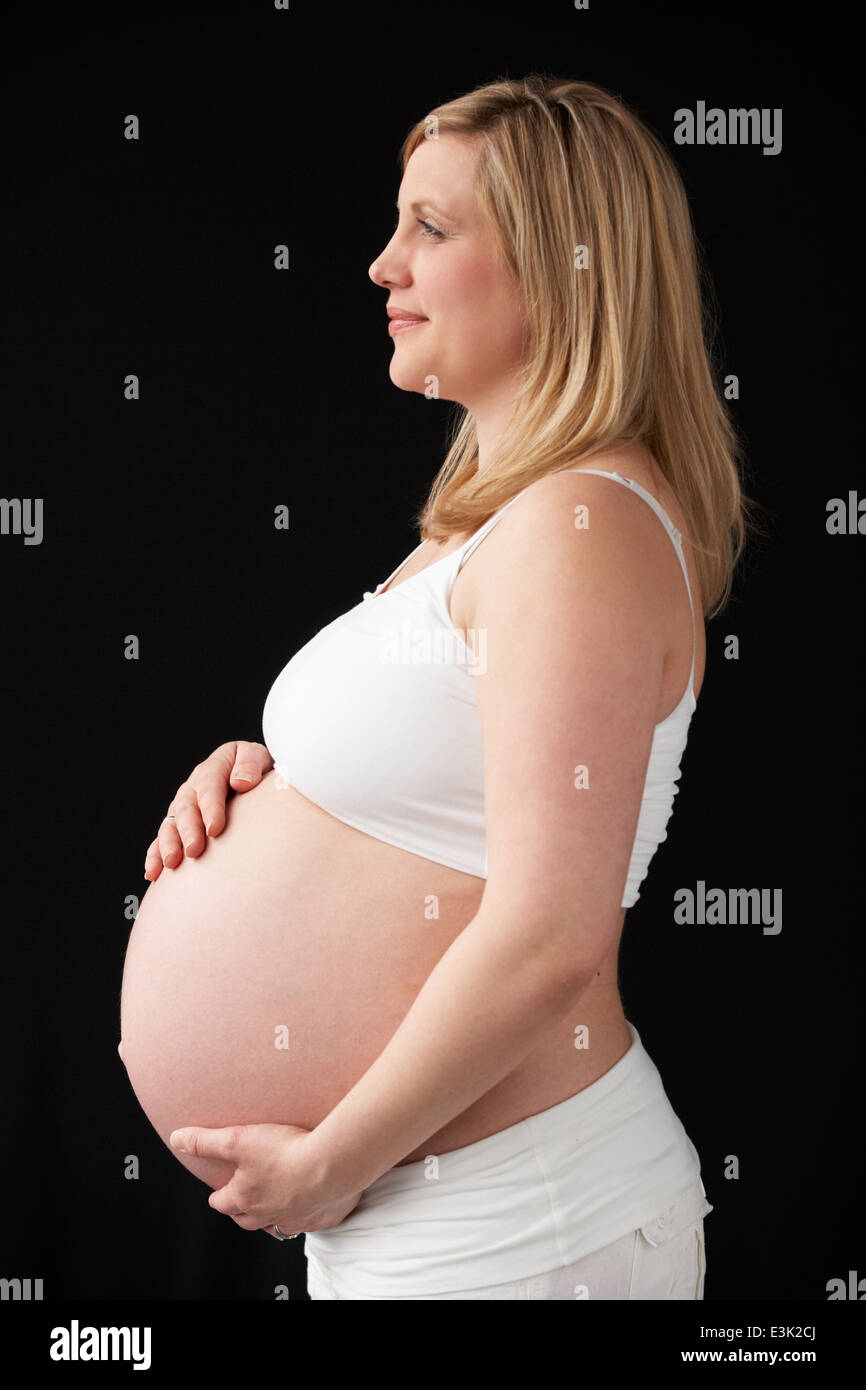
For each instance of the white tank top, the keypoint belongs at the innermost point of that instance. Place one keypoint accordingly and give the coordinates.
(375, 720)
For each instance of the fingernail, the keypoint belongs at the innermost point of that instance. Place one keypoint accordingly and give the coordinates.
(175, 1139)
(209, 828)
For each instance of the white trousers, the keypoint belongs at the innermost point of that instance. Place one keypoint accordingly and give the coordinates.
(665, 1259)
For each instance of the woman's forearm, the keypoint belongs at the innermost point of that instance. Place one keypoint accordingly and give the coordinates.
(490, 999)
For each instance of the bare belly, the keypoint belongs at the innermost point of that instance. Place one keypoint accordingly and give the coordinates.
(263, 979)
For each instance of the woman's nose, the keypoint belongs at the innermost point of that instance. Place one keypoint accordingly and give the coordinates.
(385, 270)
(375, 270)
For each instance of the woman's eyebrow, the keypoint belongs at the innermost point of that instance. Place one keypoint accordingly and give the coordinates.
(425, 203)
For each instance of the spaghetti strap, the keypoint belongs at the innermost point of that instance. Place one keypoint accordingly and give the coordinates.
(478, 536)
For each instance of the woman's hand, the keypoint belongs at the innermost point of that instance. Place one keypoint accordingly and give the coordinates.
(275, 1182)
(199, 804)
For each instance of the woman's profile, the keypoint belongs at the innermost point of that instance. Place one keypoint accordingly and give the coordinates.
(390, 987)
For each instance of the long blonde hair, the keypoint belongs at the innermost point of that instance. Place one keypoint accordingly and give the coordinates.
(616, 352)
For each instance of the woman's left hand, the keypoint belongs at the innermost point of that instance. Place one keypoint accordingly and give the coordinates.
(275, 1182)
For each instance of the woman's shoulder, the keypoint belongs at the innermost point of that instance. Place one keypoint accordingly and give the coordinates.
(536, 531)
(536, 528)
(542, 503)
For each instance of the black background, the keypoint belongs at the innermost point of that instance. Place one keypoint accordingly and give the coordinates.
(156, 257)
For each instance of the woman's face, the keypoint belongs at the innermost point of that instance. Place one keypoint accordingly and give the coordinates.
(441, 263)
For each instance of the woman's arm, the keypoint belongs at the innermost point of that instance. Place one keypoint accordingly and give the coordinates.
(501, 985)
(576, 629)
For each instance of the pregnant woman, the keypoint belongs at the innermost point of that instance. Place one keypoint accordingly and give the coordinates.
(382, 1008)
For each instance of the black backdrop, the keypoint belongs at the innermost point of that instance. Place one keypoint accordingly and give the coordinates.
(260, 387)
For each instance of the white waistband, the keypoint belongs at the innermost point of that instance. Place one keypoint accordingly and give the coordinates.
(534, 1197)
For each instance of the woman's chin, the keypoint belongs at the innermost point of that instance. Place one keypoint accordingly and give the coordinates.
(406, 375)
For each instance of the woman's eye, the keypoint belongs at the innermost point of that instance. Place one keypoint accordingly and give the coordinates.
(429, 229)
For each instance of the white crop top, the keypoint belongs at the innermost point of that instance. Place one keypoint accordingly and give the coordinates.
(375, 720)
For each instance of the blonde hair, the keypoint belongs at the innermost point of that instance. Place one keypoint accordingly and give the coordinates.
(615, 353)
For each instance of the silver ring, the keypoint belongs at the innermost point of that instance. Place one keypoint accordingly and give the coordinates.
(168, 817)
(280, 1235)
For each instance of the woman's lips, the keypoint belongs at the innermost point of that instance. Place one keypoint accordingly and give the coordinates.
(397, 325)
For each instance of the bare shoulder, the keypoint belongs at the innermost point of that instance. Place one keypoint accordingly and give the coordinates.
(568, 526)
(575, 537)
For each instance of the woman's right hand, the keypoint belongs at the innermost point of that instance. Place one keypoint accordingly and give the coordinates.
(199, 804)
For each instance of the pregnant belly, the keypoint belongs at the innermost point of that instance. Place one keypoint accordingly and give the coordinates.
(263, 979)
